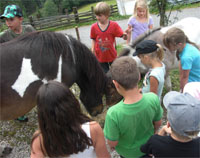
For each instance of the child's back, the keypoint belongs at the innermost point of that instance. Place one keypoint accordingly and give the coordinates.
(134, 119)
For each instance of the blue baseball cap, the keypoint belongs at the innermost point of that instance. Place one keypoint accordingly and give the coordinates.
(11, 11)
(183, 112)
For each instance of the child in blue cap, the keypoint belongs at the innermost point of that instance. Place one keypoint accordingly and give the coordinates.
(13, 17)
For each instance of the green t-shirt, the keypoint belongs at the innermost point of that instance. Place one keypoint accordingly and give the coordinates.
(9, 34)
(132, 124)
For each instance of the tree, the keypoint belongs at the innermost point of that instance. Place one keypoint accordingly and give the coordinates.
(163, 6)
(50, 9)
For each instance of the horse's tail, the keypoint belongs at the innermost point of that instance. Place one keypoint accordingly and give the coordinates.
(126, 51)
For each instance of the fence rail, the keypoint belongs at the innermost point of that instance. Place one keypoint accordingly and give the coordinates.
(65, 20)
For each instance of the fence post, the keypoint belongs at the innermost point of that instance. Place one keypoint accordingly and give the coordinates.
(92, 11)
(76, 14)
(77, 33)
(111, 9)
(67, 15)
(31, 20)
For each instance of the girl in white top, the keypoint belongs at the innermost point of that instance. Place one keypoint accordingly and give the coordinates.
(63, 130)
(151, 54)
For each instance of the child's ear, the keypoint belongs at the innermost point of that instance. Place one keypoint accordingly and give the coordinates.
(115, 83)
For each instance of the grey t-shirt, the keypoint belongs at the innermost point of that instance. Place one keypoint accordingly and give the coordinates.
(8, 35)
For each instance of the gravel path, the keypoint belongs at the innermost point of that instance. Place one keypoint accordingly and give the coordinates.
(18, 135)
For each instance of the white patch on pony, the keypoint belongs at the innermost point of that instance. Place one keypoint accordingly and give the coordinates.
(190, 26)
(72, 50)
(25, 78)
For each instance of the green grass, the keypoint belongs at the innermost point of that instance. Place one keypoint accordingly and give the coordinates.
(88, 7)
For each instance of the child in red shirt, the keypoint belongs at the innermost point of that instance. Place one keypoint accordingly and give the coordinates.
(103, 34)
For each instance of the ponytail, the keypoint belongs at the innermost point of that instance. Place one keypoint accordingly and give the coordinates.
(160, 52)
(194, 44)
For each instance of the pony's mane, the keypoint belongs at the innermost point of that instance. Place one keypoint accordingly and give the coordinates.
(48, 46)
(126, 51)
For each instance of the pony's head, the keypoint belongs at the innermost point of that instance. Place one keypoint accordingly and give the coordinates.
(112, 96)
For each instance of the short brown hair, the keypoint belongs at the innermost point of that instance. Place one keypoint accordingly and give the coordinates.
(124, 70)
(102, 8)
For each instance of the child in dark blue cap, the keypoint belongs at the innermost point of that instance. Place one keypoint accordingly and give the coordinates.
(151, 55)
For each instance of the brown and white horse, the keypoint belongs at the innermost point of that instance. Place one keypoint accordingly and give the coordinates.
(33, 59)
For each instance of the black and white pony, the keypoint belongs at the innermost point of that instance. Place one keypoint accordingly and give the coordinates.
(33, 59)
(190, 26)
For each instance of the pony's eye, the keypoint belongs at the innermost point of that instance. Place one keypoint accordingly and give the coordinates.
(164, 49)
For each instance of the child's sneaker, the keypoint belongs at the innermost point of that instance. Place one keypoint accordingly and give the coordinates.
(22, 119)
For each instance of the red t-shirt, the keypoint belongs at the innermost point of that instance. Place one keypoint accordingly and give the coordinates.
(105, 41)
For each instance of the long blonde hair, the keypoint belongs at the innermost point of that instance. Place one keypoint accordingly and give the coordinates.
(141, 4)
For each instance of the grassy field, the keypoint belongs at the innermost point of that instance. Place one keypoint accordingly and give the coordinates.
(88, 7)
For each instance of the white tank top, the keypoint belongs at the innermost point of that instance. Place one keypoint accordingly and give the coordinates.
(88, 152)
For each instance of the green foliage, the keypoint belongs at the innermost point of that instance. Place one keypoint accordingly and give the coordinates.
(88, 6)
(49, 9)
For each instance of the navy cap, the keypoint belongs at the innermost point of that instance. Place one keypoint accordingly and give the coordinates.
(145, 47)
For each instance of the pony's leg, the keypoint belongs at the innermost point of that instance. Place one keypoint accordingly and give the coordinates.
(168, 83)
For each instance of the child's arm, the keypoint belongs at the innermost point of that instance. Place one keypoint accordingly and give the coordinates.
(154, 85)
(112, 144)
(150, 23)
(98, 140)
(184, 75)
(151, 26)
(124, 36)
(165, 130)
(93, 44)
(128, 31)
(157, 125)
(36, 150)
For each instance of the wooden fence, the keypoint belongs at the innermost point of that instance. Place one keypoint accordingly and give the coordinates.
(66, 20)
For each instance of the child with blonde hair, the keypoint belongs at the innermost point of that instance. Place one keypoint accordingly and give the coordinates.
(140, 22)
(151, 54)
(103, 34)
(188, 53)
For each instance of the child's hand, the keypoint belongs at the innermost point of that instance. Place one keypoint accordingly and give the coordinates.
(165, 131)
(124, 36)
